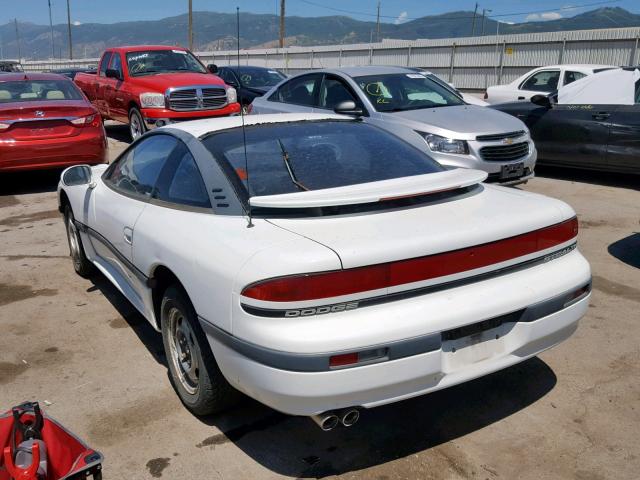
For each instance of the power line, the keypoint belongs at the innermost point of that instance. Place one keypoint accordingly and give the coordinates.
(443, 17)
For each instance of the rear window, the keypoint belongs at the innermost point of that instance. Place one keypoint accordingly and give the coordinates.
(38, 90)
(313, 155)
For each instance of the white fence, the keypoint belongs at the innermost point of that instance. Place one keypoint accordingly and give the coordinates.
(469, 63)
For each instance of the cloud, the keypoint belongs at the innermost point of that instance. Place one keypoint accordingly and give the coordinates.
(543, 17)
(401, 18)
(76, 23)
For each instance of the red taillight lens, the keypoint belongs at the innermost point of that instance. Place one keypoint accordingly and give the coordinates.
(344, 359)
(315, 286)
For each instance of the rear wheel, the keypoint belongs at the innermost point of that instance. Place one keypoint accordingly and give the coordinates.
(195, 375)
(137, 128)
(81, 264)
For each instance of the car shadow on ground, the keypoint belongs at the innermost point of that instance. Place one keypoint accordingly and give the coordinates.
(608, 179)
(295, 446)
(118, 131)
(627, 250)
(140, 326)
(36, 181)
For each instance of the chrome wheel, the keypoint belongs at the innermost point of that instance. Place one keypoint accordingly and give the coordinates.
(136, 126)
(74, 242)
(184, 350)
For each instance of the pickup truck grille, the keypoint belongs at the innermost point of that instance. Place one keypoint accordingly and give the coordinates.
(504, 153)
(196, 98)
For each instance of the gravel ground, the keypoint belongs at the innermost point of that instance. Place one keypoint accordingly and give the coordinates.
(79, 348)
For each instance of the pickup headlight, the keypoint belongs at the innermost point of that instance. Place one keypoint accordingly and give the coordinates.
(232, 95)
(152, 100)
(446, 145)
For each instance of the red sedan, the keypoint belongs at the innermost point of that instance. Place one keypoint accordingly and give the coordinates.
(47, 122)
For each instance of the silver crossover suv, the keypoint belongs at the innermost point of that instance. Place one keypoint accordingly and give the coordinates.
(418, 109)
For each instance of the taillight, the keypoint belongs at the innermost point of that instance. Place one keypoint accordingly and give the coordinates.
(315, 286)
(88, 120)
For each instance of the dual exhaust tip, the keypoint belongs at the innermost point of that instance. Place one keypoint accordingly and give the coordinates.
(332, 418)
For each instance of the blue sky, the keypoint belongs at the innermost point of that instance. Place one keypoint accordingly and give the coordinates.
(86, 11)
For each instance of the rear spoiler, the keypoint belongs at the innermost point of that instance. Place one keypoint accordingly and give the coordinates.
(373, 192)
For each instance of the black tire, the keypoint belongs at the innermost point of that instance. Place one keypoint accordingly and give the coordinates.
(194, 372)
(137, 128)
(81, 264)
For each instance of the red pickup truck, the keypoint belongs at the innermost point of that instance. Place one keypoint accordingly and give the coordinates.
(150, 86)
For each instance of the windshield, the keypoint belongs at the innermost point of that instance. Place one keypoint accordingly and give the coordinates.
(259, 77)
(150, 62)
(294, 157)
(397, 92)
(37, 90)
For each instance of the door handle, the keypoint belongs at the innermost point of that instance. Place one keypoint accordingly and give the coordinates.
(600, 115)
(520, 98)
(128, 235)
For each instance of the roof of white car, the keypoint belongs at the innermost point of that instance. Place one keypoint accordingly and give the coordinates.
(198, 128)
(587, 66)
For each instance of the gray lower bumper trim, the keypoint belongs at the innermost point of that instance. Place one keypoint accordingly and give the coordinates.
(318, 362)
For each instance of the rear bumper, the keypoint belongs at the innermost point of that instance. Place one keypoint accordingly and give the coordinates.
(528, 310)
(90, 148)
(157, 117)
(308, 393)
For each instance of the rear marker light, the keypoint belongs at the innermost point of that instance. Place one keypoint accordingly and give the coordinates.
(344, 359)
(314, 286)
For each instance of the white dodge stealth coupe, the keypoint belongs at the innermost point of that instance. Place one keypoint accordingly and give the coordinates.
(320, 264)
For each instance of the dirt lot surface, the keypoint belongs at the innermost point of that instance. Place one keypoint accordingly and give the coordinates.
(78, 346)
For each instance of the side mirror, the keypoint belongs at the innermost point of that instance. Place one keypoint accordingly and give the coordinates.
(542, 100)
(111, 73)
(78, 175)
(348, 107)
(213, 68)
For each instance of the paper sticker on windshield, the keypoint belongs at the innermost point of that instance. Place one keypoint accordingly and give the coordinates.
(415, 75)
(179, 51)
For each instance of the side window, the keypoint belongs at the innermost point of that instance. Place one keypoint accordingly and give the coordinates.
(570, 77)
(116, 63)
(544, 81)
(104, 63)
(637, 92)
(185, 186)
(137, 171)
(299, 91)
(333, 91)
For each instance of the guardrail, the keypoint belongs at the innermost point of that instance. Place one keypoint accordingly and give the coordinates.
(469, 62)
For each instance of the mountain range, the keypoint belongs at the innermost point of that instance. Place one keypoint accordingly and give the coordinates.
(216, 31)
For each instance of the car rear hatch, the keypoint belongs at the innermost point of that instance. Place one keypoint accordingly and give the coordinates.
(44, 122)
(471, 230)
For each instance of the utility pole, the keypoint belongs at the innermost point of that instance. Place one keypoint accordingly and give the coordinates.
(281, 43)
(18, 40)
(53, 52)
(190, 25)
(378, 24)
(69, 29)
(484, 12)
(473, 21)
